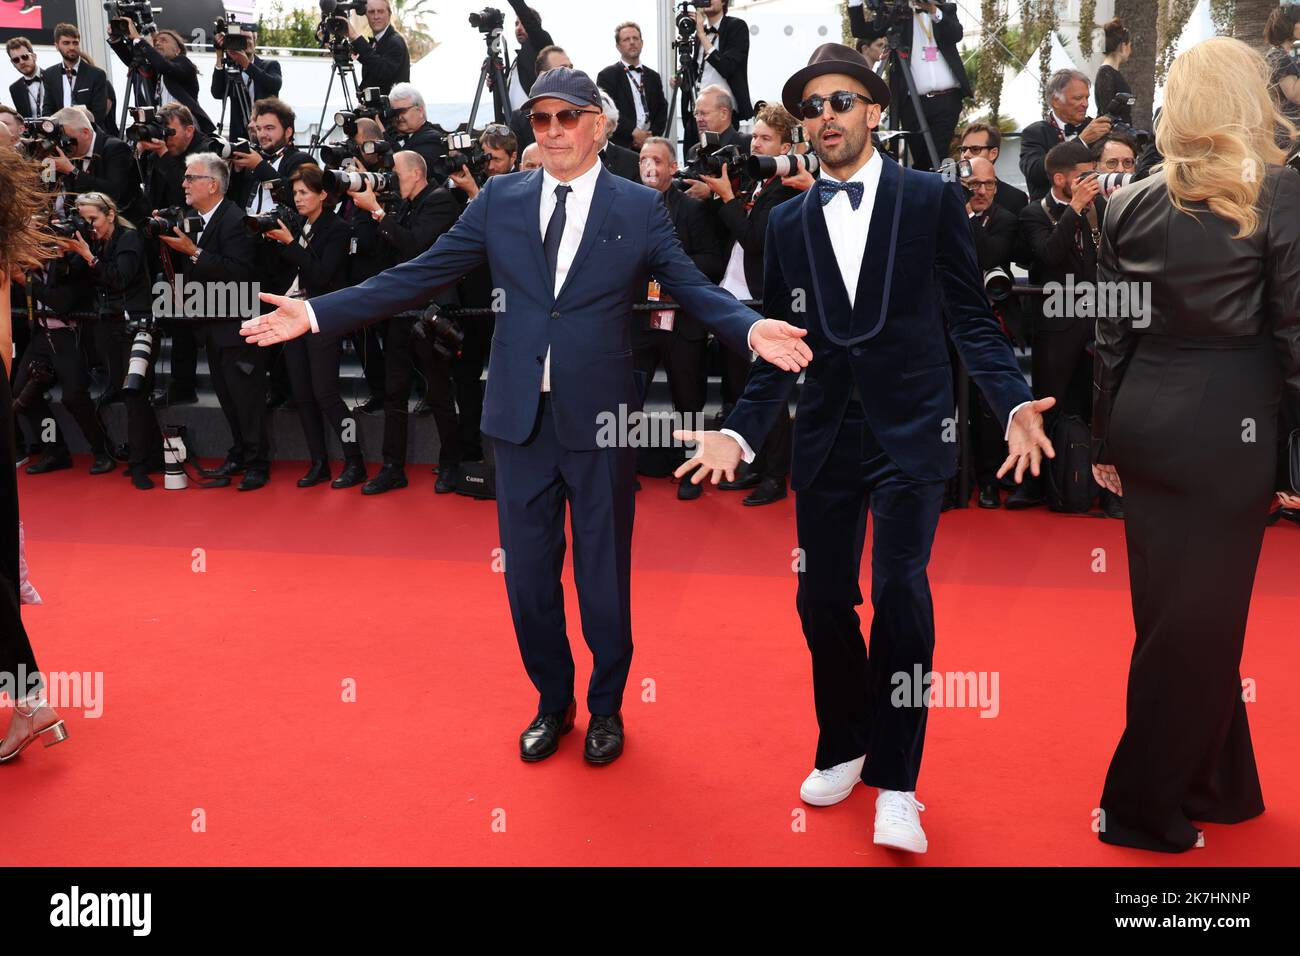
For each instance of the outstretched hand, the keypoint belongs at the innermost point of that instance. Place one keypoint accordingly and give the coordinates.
(288, 321)
(716, 454)
(781, 344)
(1027, 442)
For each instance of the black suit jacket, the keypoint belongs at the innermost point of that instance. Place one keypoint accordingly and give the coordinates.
(621, 162)
(244, 181)
(749, 228)
(698, 235)
(1010, 198)
(997, 239)
(948, 33)
(111, 170)
(1035, 141)
(19, 98)
(90, 90)
(229, 254)
(613, 80)
(267, 81)
(321, 265)
(180, 75)
(538, 40)
(731, 59)
(383, 63)
(122, 279)
(426, 141)
(1054, 251)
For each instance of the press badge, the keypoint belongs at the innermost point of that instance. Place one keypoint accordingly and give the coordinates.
(662, 319)
(929, 53)
(352, 246)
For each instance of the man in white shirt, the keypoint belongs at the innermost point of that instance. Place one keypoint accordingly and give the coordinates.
(875, 261)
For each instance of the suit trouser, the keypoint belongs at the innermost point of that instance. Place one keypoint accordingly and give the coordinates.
(1196, 499)
(370, 351)
(239, 379)
(404, 355)
(313, 364)
(1062, 368)
(61, 348)
(853, 684)
(185, 355)
(534, 481)
(683, 360)
(941, 114)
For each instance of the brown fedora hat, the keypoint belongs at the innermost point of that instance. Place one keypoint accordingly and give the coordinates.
(834, 58)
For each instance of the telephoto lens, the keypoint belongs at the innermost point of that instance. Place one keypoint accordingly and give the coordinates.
(765, 167)
(137, 365)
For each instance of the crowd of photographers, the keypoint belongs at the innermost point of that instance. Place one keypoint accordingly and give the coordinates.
(172, 198)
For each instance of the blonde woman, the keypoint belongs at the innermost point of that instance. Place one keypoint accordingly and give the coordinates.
(22, 248)
(1186, 427)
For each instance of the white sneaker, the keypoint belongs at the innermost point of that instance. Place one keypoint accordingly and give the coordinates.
(825, 788)
(897, 823)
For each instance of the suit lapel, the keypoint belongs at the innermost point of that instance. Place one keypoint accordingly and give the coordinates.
(871, 300)
(828, 287)
(213, 223)
(601, 200)
(532, 188)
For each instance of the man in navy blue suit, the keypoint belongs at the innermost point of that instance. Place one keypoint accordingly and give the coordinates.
(572, 248)
(868, 261)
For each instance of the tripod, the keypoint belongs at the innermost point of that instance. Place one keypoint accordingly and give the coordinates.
(898, 60)
(493, 75)
(684, 83)
(236, 95)
(343, 69)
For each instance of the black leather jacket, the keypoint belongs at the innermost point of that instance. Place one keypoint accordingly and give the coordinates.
(1202, 282)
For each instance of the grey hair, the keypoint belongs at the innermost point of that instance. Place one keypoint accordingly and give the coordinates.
(1059, 80)
(71, 117)
(215, 166)
(722, 94)
(611, 111)
(406, 91)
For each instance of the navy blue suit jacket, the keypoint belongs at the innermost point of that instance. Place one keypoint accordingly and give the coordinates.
(628, 237)
(919, 258)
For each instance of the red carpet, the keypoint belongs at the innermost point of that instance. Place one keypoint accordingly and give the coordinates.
(223, 690)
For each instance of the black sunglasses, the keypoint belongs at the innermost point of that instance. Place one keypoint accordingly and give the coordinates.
(569, 119)
(842, 101)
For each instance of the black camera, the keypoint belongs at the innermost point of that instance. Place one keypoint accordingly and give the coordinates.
(445, 332)
(373, 151)
(998, 285)
(1120, 113)
(122, 13)
(236, 37)
(709, 156)
(284, 211)
(146, 127)
(244, 146)
(487, 20)
(40, 376)
(171, 218)
(460, 150)
(43, 136)
(72, 224)
(373, 104)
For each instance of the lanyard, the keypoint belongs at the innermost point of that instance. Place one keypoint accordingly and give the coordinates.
(924, 18)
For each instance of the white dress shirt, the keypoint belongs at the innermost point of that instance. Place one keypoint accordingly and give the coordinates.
(260, 198)
(638, 93)
(709, 75)
(930, 75)
(576, 206)
(69, 82)
(36, 95)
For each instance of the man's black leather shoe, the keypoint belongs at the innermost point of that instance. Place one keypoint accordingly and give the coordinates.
(422, 407)
(227, 468)
(1112, 504)
(989, 497)
(319, 471)
(604, 738)
(745, 480)
(446, 482)
(1028, 494)
(768, 491)
(354, 473)
(50, 461)
(687, 491)
(542, 738)
(171, 395)
(253, 479)
(102, 465)
(372, 404)
(389, 477)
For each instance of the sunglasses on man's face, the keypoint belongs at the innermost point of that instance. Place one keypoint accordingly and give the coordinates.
(21, 58)
(842, 101)
(569, 119)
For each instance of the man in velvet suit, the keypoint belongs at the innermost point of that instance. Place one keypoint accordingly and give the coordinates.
(572, 247)
(868, 261)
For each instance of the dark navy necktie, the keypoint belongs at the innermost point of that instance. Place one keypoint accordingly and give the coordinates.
(827, 188)
(555, 230)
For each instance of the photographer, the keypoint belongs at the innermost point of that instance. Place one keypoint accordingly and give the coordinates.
(98, 163)
(1280, 31)
(164, 73)
(1119, 47)
(1067, 91)
(226, 252)
(675, 339)
(28, 91)
(532, 39)
(318, 250)
(275, 156)
(1118, 154)
(53, 354)
(501, 147)
(929, 44)
(408, 125)
(164, 165)
(982, 141)
(244, 77)
(548, 58)
(743, 216)
(425, 212)
(384, 58)
(721, 60)
(116, 265)
(637, 91)
(714, 112)
(73, 81)
(1061, 232)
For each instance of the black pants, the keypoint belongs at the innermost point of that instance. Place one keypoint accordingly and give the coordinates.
(1196, 497)
(404, 355)
(853, 684)
(467, 376)
(61, 348)
(773, 459)
(370, 352)
(143, 436)
(683, 360)
(185, 355)
(15, 649)
(1062, 367)
(313, 363)
(239, 377)
(941, 113)
(536, 482)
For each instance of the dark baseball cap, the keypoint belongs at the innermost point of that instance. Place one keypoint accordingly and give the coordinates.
(562, 83)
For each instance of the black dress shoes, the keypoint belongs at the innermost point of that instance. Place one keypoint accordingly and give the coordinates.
(1028, 494)
(102, 465)
(604, 738)
(319, 471)
(1112, 504)
(768, 491)
(389, 477)
(171, 395)
(745, 479)
(372, 404)
(140, 477)
(542, 738)
(446, 482)
(686, 491)
(227, 468)
(50, 461)
(253, 479)
(354, 472)
(989, 497)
